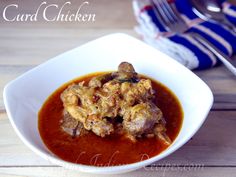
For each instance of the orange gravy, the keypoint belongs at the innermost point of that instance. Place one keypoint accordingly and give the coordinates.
(91, 149)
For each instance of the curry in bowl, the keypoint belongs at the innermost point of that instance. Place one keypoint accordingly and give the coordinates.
(110, 118)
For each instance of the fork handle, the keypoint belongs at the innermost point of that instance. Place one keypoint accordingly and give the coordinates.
(222, 57)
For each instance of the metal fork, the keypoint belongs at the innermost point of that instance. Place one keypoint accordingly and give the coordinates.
(169, 16)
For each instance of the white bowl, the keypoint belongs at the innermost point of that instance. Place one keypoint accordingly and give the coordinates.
(24, 96)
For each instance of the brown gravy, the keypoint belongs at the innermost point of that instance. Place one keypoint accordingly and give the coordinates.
(91, 149)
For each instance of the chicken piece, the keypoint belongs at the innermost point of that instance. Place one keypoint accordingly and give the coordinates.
(125, 73)
(132, 93)
(100, 127)
(109, 102)
(126, 67)
(78, 102)
(140, 92)
(72, 126)
(141, 118)
(98, 81)
(71, 102)
(160, 132)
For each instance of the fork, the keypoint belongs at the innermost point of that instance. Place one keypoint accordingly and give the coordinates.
(169, 16)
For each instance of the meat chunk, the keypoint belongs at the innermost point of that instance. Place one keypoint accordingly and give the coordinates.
(100, 127)
(133, 93)
(160, 132)
(71, 125)
(98, 81)
(78, 102)
(125, 73)
(139, 92)
(141, 118)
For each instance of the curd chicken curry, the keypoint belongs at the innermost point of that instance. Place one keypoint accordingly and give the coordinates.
(110, 118)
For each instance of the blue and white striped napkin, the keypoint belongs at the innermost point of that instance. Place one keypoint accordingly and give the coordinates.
(229, 11)
(182, 47)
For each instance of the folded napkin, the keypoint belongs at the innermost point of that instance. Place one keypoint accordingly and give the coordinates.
(230, 12)
(183, 47)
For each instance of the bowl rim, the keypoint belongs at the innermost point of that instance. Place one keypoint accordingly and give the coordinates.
(101, 169)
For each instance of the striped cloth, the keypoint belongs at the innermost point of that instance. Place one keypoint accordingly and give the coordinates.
(182, 47)
(230, 12)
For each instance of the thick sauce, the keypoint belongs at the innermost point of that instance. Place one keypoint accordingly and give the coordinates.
(112, 150)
